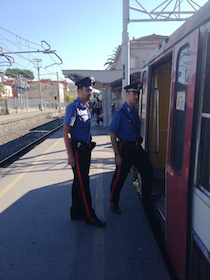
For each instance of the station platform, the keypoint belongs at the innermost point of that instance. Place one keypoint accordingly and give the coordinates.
(38, 240)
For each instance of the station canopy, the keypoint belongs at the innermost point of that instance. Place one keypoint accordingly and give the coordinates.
(103, 78)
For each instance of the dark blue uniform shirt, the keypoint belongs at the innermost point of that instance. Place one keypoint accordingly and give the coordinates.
(121, 124)
(78, 117)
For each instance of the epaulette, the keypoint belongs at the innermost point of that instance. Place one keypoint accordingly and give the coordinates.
(119, 108)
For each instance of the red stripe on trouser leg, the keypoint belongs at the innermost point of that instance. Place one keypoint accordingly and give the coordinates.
(117, 176)
(82, 187)
(115, 183)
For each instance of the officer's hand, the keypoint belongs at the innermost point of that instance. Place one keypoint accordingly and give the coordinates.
(71, 160)
(118, 159)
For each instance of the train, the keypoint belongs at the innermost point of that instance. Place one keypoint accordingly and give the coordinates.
(174, 110)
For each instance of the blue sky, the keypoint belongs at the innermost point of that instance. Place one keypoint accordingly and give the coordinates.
(84, 33)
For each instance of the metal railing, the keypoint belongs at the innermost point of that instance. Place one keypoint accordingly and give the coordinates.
(8, 105)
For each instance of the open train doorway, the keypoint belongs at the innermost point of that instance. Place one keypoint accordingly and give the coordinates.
(157, 126)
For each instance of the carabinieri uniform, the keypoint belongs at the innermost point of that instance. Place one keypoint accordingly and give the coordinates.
(78, 117)
(125, 124)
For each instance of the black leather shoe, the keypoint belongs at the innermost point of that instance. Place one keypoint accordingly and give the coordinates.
(155, 196)
(96, 223)
(116, 209)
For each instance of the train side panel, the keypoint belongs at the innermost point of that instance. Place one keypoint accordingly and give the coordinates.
(200, 227)
(175, 112)
(182, 104)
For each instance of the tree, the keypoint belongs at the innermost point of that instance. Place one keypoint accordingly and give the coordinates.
(69, 97)
(110, 61)
(25, 73)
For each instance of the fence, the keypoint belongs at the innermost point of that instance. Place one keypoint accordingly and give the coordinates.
(14, 105)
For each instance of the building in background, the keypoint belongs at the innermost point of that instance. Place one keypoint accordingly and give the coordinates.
(19, 94)
(140, 48)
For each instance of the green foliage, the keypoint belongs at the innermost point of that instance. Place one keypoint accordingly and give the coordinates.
(137, 187)
(1, 89)
(70, 97)
(110, 61)
(25, 73)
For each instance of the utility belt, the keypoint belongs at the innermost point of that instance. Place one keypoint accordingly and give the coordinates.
(79, 145)
(136, 143)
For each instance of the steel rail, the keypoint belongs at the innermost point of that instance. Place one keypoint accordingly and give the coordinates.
(11, 158)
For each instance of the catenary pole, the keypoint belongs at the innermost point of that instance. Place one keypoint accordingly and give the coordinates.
(59, 102)
(40, 90)
(125, 48)
(158, 14)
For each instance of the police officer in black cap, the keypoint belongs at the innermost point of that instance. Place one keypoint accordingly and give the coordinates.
(77, 138)
(126, 142)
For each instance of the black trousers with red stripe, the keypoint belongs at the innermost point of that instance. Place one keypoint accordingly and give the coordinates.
(81, 196)
(131, 155)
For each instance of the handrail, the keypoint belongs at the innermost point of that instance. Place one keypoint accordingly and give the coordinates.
(157, 119)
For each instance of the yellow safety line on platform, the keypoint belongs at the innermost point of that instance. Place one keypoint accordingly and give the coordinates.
(98, 264)
(15, 181)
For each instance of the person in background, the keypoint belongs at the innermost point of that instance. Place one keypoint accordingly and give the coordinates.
(77, 138)
(98, 110)
(126, 142)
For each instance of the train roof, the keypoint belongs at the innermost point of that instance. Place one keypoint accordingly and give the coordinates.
(199, 18)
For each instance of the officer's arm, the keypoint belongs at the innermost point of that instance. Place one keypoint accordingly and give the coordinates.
(114, 143)
(115, 148)
(67, 139)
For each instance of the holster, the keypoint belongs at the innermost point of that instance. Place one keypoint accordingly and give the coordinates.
(79, 145)
(92, 145)
(139, 140)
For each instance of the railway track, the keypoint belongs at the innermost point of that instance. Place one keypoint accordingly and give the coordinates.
(17, 143)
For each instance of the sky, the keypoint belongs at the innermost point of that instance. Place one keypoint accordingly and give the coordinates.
(84, 33)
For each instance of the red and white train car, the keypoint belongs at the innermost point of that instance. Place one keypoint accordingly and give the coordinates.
(175, 125)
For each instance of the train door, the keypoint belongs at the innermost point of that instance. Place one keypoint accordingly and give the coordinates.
(159, 106)
(142, 108)
(143, 104)
(157, 127)
(179, 144)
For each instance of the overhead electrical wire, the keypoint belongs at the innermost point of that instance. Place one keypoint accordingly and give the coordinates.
(19, 36)
(20, 43)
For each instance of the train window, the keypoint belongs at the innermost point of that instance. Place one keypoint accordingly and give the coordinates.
(143, 104)
(206, 100)
(204, 158)
(204, 152)
(180, 101)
